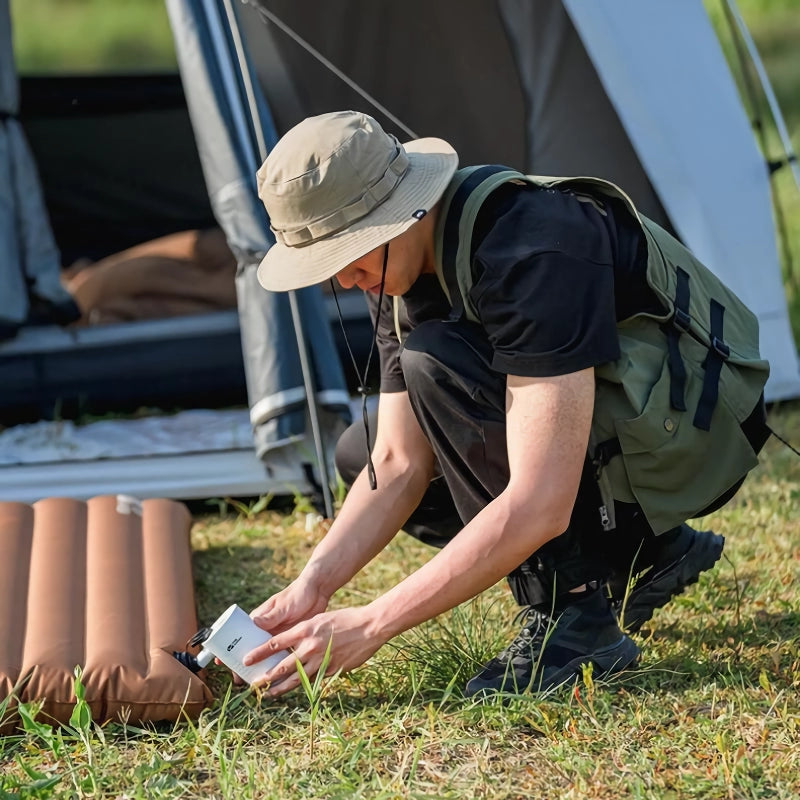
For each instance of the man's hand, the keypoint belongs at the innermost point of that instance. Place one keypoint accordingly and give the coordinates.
(348, 633)
(300, 600)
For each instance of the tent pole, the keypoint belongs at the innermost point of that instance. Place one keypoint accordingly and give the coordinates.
(305, 361)
(311, 394)
(780, 124)
(737, 28)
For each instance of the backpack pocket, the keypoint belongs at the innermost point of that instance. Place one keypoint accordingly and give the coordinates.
(675, 469)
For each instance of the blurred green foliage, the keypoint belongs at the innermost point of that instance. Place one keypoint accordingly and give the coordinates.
(775, 28)
(79, 36)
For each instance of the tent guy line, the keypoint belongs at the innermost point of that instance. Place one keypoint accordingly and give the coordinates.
(266, 14)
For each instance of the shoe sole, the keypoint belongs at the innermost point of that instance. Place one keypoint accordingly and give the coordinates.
(605, 661)
(611, 659)
(642, 602)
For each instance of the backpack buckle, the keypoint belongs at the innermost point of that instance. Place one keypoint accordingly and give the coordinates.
(681, 320)
(721, 348)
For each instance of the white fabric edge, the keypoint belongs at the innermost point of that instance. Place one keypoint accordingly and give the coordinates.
(236, 473)
(276, 403)
(630, 65)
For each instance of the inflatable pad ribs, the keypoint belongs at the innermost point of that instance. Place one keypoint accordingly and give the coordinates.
(104, 585)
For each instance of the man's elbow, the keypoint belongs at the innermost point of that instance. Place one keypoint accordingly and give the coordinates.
(545, 517)
(416, 467)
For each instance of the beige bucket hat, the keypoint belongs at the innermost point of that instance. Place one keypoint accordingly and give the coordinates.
(337, 186)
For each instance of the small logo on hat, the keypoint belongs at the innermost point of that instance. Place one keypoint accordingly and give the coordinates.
(419, 213)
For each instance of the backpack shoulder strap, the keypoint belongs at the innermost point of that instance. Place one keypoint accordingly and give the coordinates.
(460, 206)
(461, 203)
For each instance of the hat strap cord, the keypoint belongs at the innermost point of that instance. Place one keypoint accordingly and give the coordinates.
(363, 389)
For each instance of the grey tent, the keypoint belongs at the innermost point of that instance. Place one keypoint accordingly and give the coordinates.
(29, 259)
(234, 130)
(280, 375)
(636, 91)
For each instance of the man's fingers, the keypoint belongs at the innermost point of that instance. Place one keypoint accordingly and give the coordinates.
(276, 620)
(279, 674)
(276, 690)
(265, 619)
(274, 645)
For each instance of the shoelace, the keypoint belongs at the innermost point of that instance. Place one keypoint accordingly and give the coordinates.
(534, 631)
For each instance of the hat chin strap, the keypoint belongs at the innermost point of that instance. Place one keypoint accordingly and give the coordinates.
(363, 389)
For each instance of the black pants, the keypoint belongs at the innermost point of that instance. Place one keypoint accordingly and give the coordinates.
(459, 401)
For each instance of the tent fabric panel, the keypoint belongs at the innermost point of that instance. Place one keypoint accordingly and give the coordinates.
(267, 324)
(13, 292)
(40, 259)
(27, 246)
(110, 590)
(461, 84)
(678, 102)
(222, 135)
(223, 117)
(572, 127)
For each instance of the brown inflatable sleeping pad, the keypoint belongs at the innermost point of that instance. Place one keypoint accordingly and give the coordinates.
(105, 585)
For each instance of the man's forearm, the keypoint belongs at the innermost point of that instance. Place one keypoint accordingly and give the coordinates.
(548, 423)
(367, 522)
(494, 543)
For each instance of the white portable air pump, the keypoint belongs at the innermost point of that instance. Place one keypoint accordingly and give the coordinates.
(229, 639)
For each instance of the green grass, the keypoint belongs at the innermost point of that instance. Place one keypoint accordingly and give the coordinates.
(711, 711)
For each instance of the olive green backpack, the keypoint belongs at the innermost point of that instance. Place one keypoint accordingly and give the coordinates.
(666, 431)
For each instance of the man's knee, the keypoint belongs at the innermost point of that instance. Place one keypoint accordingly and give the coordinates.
(351, 450)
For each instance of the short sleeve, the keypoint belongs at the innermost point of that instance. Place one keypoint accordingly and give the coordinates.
(549, 314)
(544, 284)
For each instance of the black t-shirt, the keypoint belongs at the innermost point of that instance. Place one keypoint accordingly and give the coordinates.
(553, 272)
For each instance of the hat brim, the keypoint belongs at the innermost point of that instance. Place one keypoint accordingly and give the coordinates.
(432, 163)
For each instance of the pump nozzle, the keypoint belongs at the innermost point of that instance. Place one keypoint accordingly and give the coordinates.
(192, 662)
(230, 639)
(202, 659)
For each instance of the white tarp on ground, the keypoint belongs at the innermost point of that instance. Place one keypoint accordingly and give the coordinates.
(689, 133)
(200, 453)
(193, 454)
(197, 431)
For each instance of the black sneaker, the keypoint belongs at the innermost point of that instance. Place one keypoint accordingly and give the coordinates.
(550, 649)
(676, 568)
